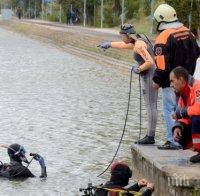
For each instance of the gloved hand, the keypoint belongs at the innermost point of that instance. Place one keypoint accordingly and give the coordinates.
(181, 112)
(142, 183)
(105, 45)
(40, 159)
(136, 69)
(43, 172)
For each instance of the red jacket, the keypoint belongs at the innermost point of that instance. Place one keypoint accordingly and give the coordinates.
(190, 98)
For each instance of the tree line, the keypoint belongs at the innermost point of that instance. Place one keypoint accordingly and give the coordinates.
(114, 11)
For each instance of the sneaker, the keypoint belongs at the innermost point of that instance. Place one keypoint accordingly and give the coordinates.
(195, 158)
(146, 140)
(169, 146)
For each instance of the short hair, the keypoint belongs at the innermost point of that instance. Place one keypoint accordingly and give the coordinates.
(181, 72)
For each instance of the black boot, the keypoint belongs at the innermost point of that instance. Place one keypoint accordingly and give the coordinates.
(195, 158)
(146, 140)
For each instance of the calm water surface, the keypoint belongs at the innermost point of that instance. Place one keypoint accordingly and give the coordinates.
(68, 109)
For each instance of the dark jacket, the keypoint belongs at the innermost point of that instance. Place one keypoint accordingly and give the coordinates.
(174, 47)
(15, 170)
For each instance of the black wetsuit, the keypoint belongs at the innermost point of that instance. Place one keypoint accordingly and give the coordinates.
(134, 187)
(15, 170)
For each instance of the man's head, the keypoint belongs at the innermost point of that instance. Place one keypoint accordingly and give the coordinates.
(16, 153)
(178, 78)
(120, 173)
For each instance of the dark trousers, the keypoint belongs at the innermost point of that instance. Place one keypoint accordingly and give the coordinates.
(191, 134)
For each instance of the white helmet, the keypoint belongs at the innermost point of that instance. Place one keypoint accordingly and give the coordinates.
(165, 13)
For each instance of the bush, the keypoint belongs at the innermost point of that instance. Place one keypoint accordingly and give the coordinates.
(53, 17)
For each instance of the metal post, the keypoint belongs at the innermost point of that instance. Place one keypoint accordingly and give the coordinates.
(60, 15)
(84, 14)
(123, 14)
(102, 17)
(46, 11)
(71, 15)
(94, 12)
(29, 8)
(1, 6)
(29, 13)
(190, 15)
(35, 9)
(152, 8)
(51, 7)
(42, 9)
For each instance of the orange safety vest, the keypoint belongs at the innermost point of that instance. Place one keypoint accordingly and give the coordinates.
(191, 101)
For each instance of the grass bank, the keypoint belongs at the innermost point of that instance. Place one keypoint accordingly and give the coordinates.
(83, 39)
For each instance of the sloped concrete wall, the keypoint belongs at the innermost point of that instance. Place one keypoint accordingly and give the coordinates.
(170, 171)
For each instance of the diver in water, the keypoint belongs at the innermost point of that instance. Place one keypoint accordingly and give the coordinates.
(119, 184)
(15, 169)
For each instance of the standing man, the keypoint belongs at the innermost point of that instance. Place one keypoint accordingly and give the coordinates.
(19, 12)
(175, 45)
(187, 127)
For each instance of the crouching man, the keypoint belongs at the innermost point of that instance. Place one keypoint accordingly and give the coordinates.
(187, 115)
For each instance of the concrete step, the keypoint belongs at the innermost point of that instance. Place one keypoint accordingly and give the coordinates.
(169, 170)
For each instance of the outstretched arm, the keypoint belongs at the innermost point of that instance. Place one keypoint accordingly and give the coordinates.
(118, 45)
(121, 45)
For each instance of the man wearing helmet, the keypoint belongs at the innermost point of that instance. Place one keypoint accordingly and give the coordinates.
(15, 169)
(174, 46)
(119, 180)
(143, 55)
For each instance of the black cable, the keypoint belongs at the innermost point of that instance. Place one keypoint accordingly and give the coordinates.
(149, 42)
(129, 97)
(140, 89)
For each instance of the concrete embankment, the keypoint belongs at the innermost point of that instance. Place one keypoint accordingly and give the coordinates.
(169, 170)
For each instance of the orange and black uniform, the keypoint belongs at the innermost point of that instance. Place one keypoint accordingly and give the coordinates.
(174, 47)
(190, 98)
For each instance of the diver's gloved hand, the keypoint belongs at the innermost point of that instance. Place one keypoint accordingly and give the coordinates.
(105, 45)
(40, 159)
(136, 69)
(43, 172)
